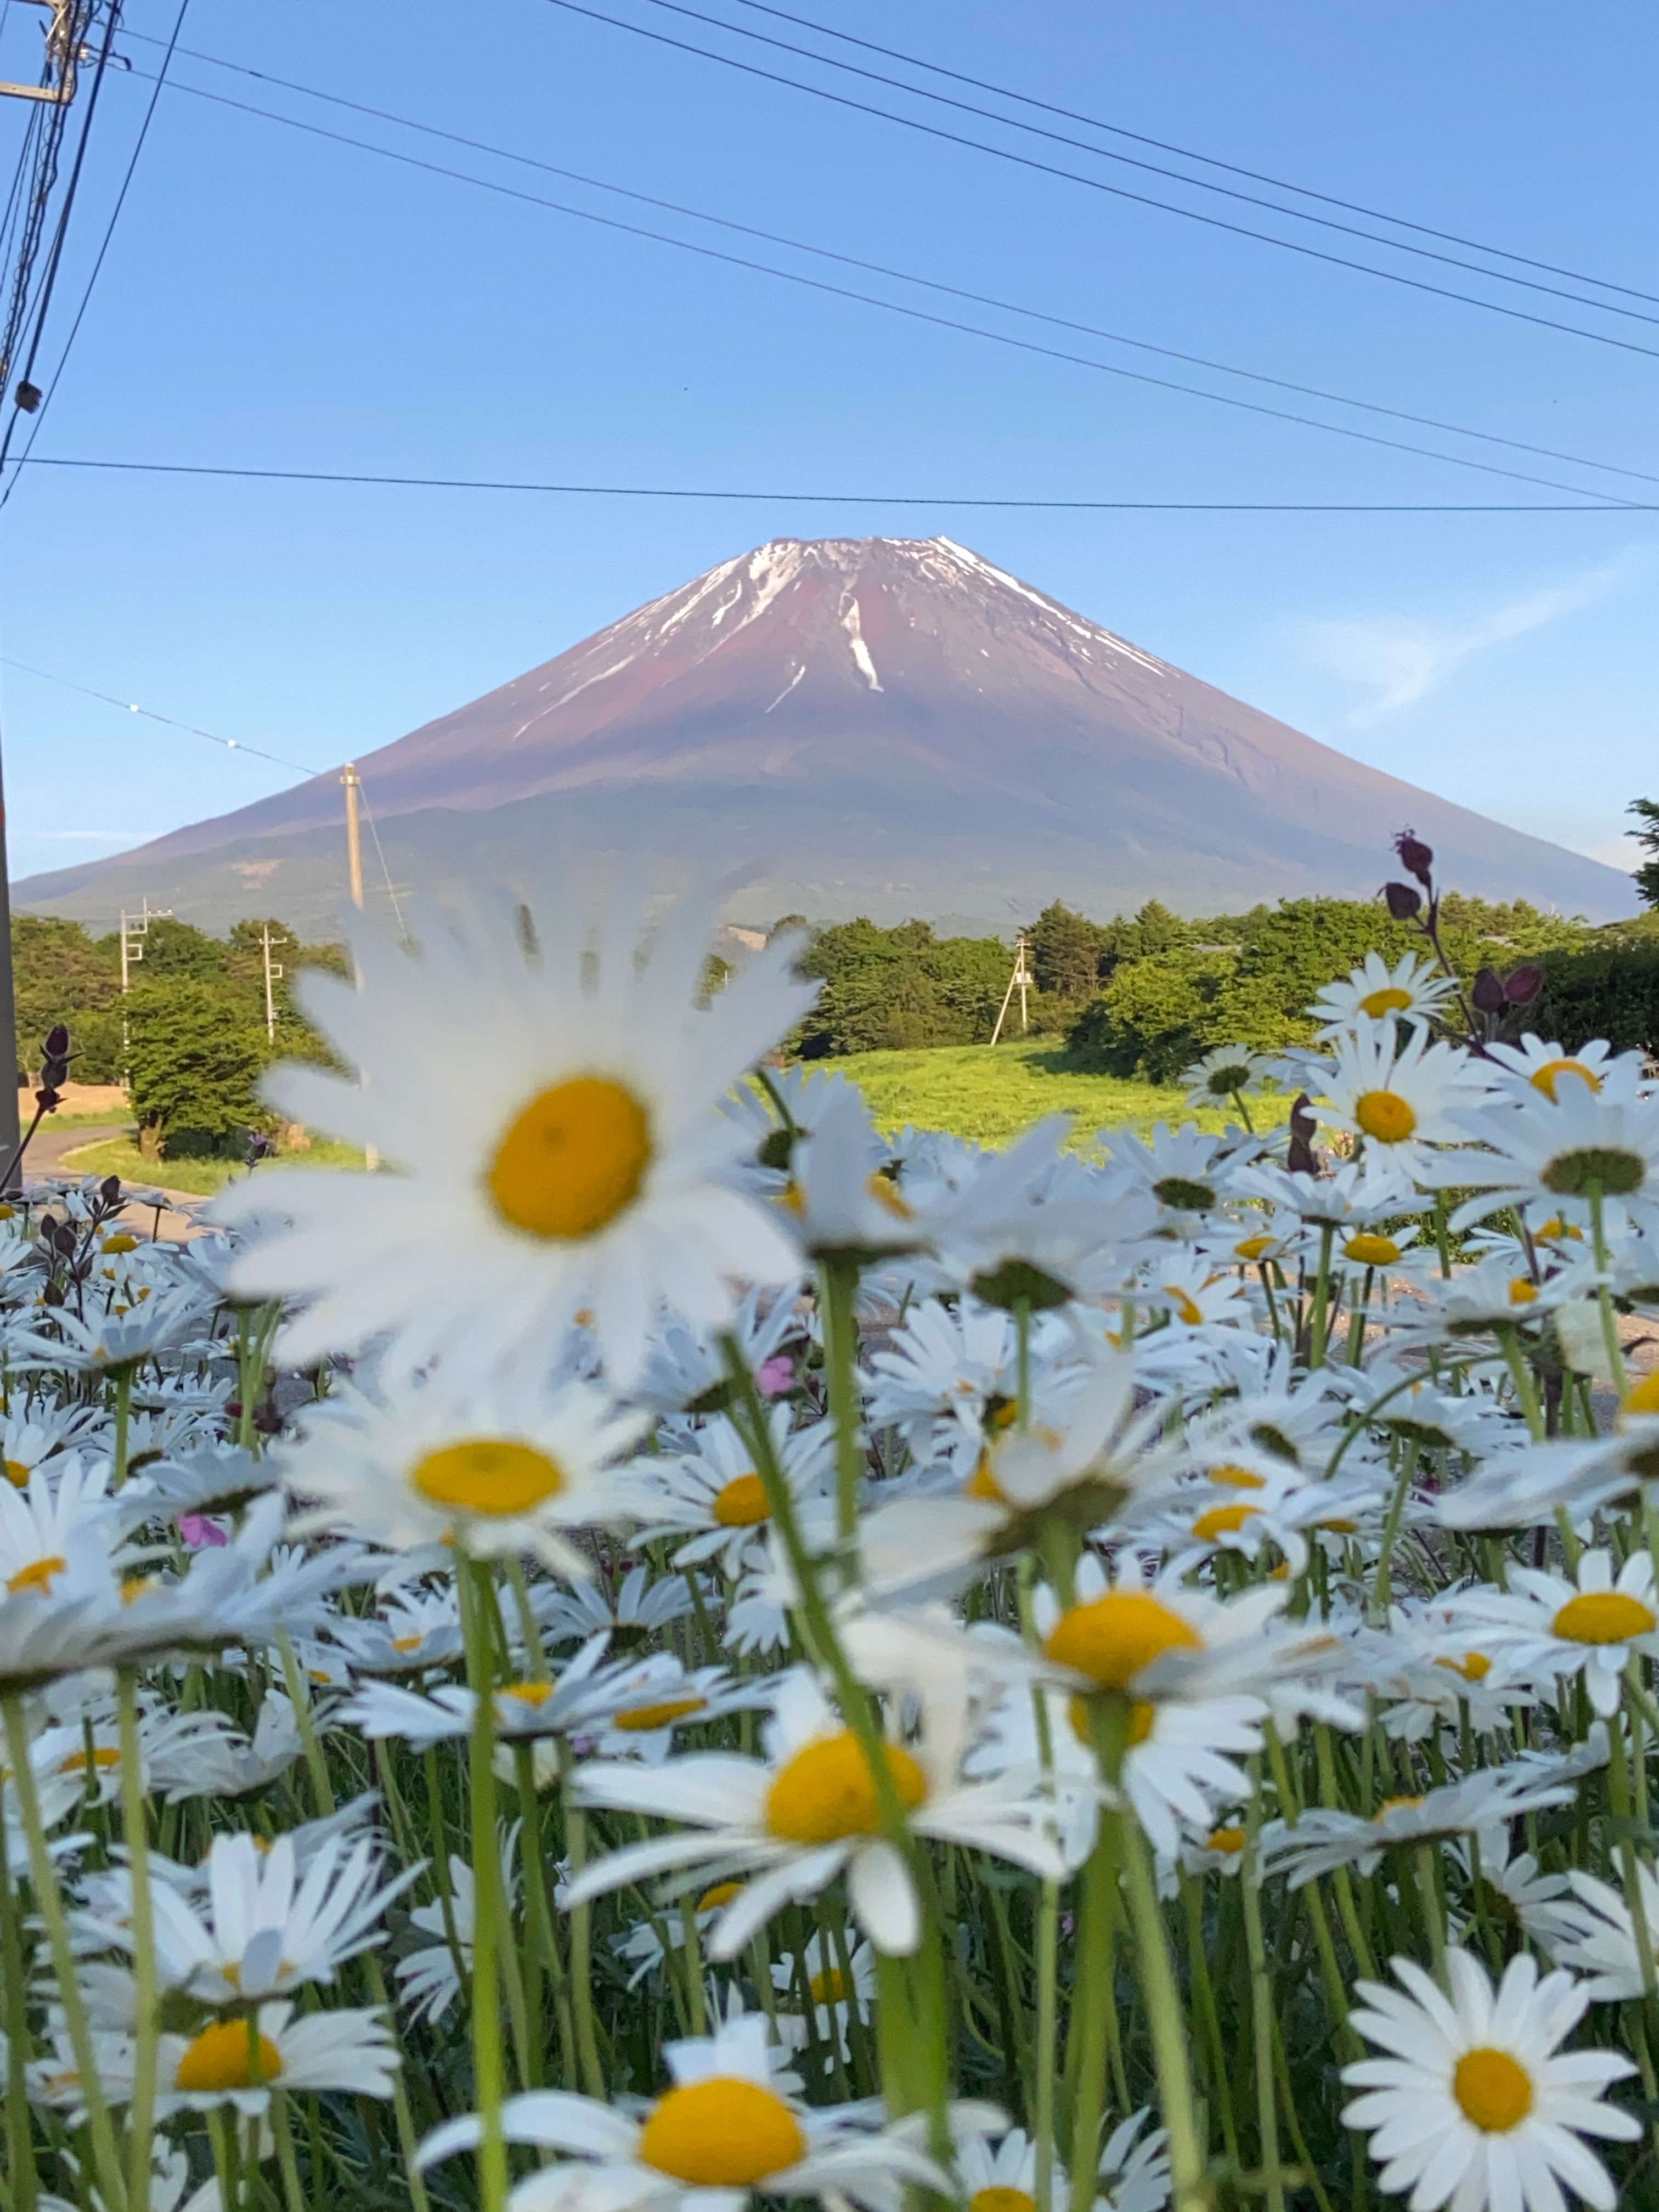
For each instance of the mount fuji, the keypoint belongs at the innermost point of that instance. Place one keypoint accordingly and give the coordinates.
(876, 725)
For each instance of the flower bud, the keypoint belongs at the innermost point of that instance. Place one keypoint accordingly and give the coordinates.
(1416, 858)
(1522, 985)
(1404, 903)
(1488, 992)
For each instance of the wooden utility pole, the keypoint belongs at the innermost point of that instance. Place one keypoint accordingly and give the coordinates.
(1020, 980)
(353, 784)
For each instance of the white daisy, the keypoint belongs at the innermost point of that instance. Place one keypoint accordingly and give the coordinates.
(731, 2123)
(1400, 1099)
(1476, 2102)
(1592, 1932)
(1410, 991)
(1550, 1628)
(239, 2062)
(508, 1467)
(553, 1114)
(708, 1493)
(803, 1815)
(1229, 1073)
(1530, 1063)
(1557, 1149)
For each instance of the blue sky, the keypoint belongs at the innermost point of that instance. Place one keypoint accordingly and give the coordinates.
(273, 299)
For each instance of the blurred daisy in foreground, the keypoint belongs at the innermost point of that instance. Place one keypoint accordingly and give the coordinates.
(550, 1102)
(1476, 2103)
(1410, 991)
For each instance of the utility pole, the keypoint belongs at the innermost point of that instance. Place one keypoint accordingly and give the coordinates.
(135, 928)
(353, 784)
(271, 974)
(1020, 980)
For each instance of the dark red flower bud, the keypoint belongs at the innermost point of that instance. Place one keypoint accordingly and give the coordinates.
(1415, 858)
(1488, 992)
(1404, 903)
(1300, 1159)
(1522, 985)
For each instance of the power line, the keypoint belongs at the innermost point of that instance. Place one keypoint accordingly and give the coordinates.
(109, 233)
(1188, 154)
(1099, 184)
(230, 744)
(889, 306)
(1152, 168)
(1587, 506)
(872, 267)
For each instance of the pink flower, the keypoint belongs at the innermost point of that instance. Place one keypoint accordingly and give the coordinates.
(201, 1533)
(775, 1376)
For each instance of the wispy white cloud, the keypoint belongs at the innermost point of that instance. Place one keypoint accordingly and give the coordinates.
(1401, 660)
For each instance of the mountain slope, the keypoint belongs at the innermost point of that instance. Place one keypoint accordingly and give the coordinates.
(877, 725)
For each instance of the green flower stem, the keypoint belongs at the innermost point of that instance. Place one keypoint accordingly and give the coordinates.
(1619, 1795)
(1023, 1368)
(1048, 2039)
(1382, 1588)
(1261, 2000)
(1321, 1298)
(21, 2179)
(838, 1277)
(1197, 1967)
(1092, 1999)
(439, 1835)
(287, 2164)
(135, 1834)
(488, 2085)
(49, 1903)
(299, 1697)
(402, 2118)
(1604, 1296)
(929, 2061)
(581, 1938)
(123, 1428)
(1155, 1972)
(1525, 1388)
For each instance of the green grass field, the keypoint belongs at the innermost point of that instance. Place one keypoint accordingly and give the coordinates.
(200, 1178)
(992, 1095)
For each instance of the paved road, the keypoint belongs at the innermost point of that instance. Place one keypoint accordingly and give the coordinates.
(44, 1158)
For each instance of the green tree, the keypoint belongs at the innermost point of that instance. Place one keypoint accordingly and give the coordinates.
(178, 948)
(1156, 1016)
(1066, 951)
(199, 1048)
(1646, 811)
(62, 976)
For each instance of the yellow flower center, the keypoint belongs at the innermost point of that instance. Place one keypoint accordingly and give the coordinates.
(1252, 1247)
(1187, 1306)
(1228, 1840)
(1543, 1079)
(529, 1693)
(120, 1242)
(885, 1191)
(827, 1791)
(1603, 1617)
(1522, 1291)
(225, 2056)
(829, 1987)
(742, 1503)
(1473, 1665)
(1223, 1521)
(640, 1720)
(133, 1587)
(1389, 1001)
(488, 1475)
(1395, 1805)
(724, 2133)
(984, 1484)
(572, 1159)
(18, 1472)
(39, 1575)
(721, 1894)
(407, 1643)
(1368, 1251)
(1233, 1477)
(1112, 1637)
(1493, 2089)
(1385, 1116)
(999, 2199)
(104, 1755)
(1642, 1397)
